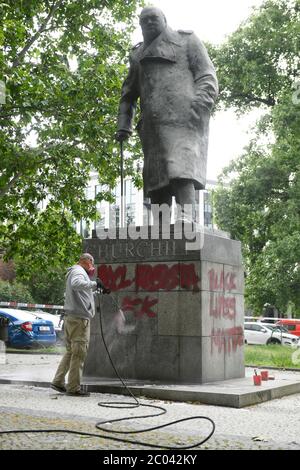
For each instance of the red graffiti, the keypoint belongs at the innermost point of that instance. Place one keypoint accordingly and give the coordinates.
(114, 279)
(219, 281)
(188, 277)
(222, 306)
(145, 306)
(227, 339)
(161, 276)
(150, 278)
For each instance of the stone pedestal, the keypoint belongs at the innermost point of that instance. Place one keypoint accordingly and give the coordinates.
(182, 308)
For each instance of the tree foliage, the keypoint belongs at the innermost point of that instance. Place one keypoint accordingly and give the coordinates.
(261, 58)
(14, 292)
(258, 199)
(48, 286)
(62, 62)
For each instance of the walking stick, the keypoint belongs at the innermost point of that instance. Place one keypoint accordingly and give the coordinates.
(122, 221)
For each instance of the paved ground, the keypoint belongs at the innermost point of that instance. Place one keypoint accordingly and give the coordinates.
(270, 425)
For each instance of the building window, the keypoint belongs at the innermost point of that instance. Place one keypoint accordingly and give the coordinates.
(114, 215)
(130, 214)
(207, 209)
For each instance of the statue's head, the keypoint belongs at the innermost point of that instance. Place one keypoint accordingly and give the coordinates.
(153, 22)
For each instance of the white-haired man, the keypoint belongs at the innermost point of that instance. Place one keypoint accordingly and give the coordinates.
(79, 310)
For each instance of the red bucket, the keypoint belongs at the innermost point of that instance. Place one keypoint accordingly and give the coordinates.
(264, 374)
(257, 379)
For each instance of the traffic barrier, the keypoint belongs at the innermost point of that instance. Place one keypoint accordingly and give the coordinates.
(24, 305)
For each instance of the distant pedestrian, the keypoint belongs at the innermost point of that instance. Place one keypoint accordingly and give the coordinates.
(79, 309)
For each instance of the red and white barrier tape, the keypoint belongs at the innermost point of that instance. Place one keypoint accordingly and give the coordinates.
(19, 304)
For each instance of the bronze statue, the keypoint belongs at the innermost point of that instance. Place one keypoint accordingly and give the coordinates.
(172, 75)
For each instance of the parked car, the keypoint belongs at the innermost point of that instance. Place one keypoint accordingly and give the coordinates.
(280, 328)
(25, 330)
(285, 336)
(256, 333)
(55, 319)
(292, 325)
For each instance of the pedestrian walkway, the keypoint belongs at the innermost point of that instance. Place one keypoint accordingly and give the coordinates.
(27, 402)
(236, 393)
(273, 425)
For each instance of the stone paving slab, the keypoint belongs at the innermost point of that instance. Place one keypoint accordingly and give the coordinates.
(236, 393)
(65, 441)
(268, 426)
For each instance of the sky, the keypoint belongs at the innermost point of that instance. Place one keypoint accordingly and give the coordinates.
(212, 21)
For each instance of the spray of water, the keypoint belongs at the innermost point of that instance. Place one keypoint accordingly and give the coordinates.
(121, 326)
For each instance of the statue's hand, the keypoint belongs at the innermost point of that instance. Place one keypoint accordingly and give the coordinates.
(122, 135)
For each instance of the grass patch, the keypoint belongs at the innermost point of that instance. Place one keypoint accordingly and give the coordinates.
(273, 355)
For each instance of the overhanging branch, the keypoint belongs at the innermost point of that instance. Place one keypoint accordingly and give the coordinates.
(270, 101)
(37, 163)
(41, 29)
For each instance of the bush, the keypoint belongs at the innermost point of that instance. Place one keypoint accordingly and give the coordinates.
(14, 291)
(47, 287)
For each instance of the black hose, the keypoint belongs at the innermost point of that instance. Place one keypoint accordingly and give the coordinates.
(124, 405)
(120, 405)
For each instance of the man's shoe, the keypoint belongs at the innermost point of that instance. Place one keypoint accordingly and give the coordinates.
(79, 393)
(58, 388)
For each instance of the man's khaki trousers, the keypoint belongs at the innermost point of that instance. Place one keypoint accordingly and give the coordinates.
(77, 337)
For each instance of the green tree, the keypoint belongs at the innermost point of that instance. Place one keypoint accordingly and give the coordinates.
(14, 292)
(62, 62)
(258, 197)
(48, 286)
(261, 58)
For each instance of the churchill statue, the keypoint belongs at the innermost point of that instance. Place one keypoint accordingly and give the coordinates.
(174, 79)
